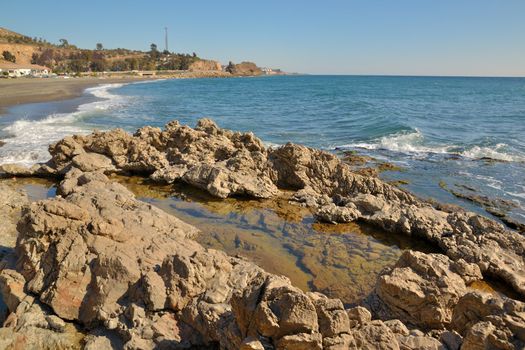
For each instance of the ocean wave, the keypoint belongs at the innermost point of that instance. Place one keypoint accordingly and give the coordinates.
(403, 142)
(497, 152)
(413, 142)
(28, 140)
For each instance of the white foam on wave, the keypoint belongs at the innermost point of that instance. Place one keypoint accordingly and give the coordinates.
(413, 142)
(29, 139)
(403, 142)
(496, 152)
(271, 145)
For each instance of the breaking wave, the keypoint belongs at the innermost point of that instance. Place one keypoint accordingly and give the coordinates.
(28, 140)
(413, 142)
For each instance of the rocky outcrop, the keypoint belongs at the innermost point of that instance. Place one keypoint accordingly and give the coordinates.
(431, 292)
(490, 322)
(422, 289)
(244, 69)
(99, 258)
(30, 324)
(132, 277)
(226, 163)
(11, 203)
(205, 65)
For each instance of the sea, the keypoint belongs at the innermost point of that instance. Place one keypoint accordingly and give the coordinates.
(452, 139)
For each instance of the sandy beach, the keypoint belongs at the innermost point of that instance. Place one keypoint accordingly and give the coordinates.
(21, 91)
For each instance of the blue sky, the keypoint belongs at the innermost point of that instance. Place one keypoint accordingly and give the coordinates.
(412, 37)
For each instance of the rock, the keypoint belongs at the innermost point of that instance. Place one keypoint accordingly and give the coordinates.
(97, 343)
(251, 343)
(30, 326)
(244, 69)
(12, 288)
(419, 343)
(97, 256)
(358, 316)
(452, 340)
(11, 203)
(205, 65)
(375, 335)
(489, 322)
(484, 335)
(56, 323)
(226, 163)
(99, 230)
(87, 162)
(334, 323)
(422, 289)
(14, 170)
(397, 327)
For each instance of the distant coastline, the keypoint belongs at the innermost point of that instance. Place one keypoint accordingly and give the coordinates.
(23, 91)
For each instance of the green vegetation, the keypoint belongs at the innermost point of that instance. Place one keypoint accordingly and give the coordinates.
(8, 56)
(76, 60)
(65, 57)
(231, 67)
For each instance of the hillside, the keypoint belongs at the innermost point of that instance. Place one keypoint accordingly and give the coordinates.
(66, 57)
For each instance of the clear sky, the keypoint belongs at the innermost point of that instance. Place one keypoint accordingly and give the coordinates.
(412, 37)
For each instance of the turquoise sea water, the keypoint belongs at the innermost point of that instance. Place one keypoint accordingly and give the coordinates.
(467, 133)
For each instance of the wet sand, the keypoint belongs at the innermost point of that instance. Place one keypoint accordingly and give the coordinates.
(31, 90)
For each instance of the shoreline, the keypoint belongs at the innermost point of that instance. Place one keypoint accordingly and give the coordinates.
(17, 92)
(25, 91)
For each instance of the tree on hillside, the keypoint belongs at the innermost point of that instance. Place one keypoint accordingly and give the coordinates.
(231, 67)
(154, 53)
(63, 43)
(99, 46)
(8, 56)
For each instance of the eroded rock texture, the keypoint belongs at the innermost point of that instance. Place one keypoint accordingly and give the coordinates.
(99, 258)
(227, 163)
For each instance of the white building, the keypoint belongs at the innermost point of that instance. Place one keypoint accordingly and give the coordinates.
(15, 70)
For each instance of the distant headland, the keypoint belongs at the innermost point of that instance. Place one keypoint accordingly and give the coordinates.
(24, 56)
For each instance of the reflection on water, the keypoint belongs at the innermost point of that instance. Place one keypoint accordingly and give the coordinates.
(35, 188)
(339, 260)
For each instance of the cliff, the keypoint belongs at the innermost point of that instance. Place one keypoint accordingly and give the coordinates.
(205, 65)
(244, 69)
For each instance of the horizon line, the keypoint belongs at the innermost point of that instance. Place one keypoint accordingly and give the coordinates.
(410, 75)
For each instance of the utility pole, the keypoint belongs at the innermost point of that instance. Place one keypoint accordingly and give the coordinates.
(166, 38)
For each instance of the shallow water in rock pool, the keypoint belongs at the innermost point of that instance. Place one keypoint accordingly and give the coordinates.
(341, 261)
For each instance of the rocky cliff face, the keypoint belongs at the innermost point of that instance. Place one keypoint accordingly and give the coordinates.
(132, 276)
(205, 65)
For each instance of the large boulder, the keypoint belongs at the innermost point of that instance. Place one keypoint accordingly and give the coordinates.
(422, 289)
(490, 322)
(11, 202)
